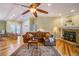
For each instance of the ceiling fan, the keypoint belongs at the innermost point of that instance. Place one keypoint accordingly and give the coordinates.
(34, 9)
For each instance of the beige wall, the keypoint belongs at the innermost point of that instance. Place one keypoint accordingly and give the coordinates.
(51, 24)
(74, 18)
(47, 23)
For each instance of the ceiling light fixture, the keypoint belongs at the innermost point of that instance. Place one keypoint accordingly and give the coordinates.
(72, 10)
(60, 14)
(49, 4)
(12, 16)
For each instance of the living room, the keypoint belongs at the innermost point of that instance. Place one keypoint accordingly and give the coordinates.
(17, 30)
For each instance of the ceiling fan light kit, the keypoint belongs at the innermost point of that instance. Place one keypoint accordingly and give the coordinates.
(32, 10)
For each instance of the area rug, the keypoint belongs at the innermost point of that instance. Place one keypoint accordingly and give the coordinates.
(36, 51)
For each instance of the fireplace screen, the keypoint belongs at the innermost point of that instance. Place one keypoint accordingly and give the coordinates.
(71, 36)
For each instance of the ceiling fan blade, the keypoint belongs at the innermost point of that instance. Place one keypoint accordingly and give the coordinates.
(20, 5)
(25, 12)
(35, 5)
(35, 14)
(43, 11)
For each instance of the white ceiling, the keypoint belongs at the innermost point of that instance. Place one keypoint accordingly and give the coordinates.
(12, 11)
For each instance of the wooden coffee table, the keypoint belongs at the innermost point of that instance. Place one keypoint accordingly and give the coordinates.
(33, 42)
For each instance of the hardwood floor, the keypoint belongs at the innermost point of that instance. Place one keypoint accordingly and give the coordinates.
(67, 48)
(8, 46)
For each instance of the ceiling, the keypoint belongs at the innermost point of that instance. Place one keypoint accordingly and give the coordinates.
(11, 11)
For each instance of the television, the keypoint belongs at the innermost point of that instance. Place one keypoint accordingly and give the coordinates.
(70, 36)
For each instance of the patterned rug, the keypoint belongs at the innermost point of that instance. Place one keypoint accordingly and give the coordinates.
(36, 51)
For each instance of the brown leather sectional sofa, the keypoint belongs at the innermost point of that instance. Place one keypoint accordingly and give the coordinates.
(38, 35)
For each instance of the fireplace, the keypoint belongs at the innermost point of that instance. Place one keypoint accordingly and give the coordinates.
(70, 36)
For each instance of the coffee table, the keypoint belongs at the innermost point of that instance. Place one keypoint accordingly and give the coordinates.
(33, 42)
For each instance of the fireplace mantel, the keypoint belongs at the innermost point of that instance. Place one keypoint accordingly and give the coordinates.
(71, 27)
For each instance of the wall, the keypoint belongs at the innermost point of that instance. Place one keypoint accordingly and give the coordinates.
(74, 18)
(51, 24)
